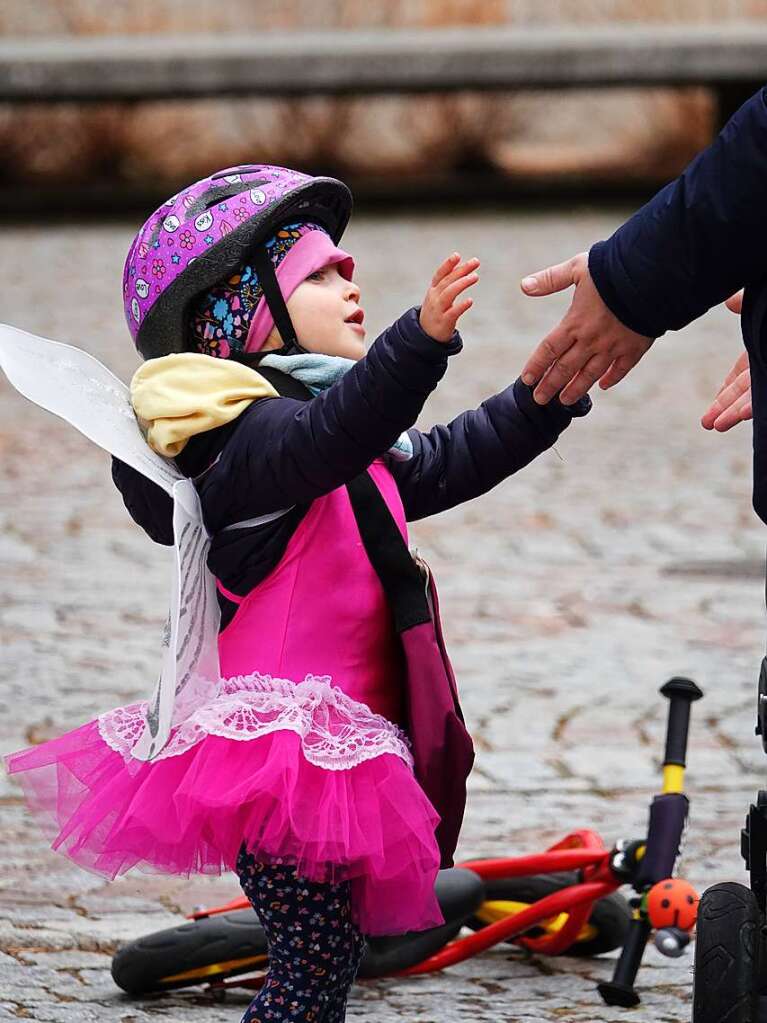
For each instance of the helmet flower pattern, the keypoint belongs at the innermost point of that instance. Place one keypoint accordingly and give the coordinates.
(221, 317)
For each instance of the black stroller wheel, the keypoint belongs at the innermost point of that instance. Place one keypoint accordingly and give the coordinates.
(727, 956)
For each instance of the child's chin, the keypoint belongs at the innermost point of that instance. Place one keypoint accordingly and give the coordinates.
(355, 347)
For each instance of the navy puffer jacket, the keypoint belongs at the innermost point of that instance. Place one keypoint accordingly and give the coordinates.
(699, 240)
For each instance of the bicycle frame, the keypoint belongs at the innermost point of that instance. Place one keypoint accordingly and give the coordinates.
(581, 850)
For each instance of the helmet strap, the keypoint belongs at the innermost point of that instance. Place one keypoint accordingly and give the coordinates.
(267, 278)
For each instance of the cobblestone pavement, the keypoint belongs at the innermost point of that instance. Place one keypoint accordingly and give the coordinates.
(571, 593)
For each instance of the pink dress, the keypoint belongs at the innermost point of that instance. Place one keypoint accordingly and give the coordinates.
(300, 755)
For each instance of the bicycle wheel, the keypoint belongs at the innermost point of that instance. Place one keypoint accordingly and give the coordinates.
(460, 894)
(195, 953)
(606, 927)
(229, 944)
(726, 979)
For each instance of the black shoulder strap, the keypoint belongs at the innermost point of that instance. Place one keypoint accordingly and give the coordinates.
(402, 582)
(284, 384)
(267, 278)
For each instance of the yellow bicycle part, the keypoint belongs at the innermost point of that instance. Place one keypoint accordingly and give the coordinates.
(204, 972)
(492, 911)
(673, 778)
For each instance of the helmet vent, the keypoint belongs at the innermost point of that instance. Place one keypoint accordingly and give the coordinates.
(214, 196)
(248, 168)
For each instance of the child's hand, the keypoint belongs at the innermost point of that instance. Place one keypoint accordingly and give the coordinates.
(438, 313)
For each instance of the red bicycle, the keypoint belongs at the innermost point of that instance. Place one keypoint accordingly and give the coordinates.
(563, 901)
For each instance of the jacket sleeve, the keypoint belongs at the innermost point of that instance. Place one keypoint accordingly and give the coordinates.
(286, 452)
(455, 463)
(147, 503)
(699, 240)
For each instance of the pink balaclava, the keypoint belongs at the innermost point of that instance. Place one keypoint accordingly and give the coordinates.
(234, 317)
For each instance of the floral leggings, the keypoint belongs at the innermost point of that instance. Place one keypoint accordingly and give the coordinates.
(314, 948)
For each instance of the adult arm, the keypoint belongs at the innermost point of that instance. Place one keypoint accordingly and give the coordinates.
(455, 463)
(694, 244)
(699, 240)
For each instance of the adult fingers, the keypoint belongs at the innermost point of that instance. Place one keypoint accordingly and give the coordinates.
(735, 302)
(741, 365)
(618, 370)
(583, 381)
(561, 372)
(731, 377)
(738, 412)
(553, 346)
(727, 397)
(735, 383)
(553, 278)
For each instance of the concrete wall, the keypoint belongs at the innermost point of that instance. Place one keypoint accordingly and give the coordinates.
(618, 135)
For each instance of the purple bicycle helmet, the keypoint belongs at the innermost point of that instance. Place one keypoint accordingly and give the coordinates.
(204, 232)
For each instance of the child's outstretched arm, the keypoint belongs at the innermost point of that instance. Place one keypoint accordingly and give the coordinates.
(455, 463)
(284, 452)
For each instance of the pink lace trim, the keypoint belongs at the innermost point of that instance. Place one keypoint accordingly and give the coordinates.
(336, 731)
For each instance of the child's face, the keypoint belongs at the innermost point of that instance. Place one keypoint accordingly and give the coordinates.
(326, 315)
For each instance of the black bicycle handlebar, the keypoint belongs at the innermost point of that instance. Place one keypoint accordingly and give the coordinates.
(681, 693)
(668, 815)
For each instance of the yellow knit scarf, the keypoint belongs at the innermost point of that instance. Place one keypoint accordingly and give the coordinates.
(178, 396)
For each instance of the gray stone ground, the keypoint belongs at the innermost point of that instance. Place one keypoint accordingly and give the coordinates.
(570, 594)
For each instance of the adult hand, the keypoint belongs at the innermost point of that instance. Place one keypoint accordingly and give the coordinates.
(587, 345)
(732, 404)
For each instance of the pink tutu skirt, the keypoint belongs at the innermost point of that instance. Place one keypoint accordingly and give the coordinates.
(247, 770)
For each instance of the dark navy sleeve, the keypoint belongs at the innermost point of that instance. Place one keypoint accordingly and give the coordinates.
(285, 452)
(147, 503)
(455, 463)
(699, 240)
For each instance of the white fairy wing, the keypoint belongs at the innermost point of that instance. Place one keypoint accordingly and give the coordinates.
(190, 668)
(77, 387)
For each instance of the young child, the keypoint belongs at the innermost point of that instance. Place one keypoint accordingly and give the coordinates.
(299, 773)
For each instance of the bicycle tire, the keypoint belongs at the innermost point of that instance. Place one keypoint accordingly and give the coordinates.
(610, 916)
(460, 894)
(224, 945)
(163, 961)
(726, 977)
